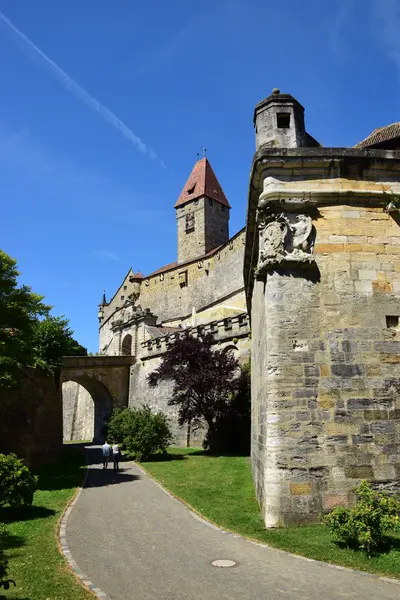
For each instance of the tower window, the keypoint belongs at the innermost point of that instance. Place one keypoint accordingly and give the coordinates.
(189, 223)
(210, 201)
(283, 120)
(191, 190)
(392, 321)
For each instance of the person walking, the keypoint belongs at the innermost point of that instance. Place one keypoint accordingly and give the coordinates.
(106, 454)
(116, 455)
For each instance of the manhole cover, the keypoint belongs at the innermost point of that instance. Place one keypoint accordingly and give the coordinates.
(223, 563)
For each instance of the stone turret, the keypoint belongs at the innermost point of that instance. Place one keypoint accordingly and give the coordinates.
(102, 304)
(279, 122)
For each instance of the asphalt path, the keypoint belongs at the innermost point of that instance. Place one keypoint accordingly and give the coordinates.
(136, 542)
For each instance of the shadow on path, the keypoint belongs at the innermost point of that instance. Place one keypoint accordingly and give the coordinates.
(103, 477)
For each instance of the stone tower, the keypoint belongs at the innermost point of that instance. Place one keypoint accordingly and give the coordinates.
(202, 214)
(321, 275)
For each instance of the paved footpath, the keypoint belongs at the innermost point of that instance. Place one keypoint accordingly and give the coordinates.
(137, 543)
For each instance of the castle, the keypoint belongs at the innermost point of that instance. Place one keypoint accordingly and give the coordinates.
(203, 291)
(317, 271)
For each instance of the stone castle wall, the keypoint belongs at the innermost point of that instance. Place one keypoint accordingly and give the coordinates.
(172, 295)
(330, 414)
(232, 333)
(78, 412)
(31, 418)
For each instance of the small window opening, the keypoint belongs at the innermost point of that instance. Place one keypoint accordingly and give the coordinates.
(189, 225)
(191, 190)
(210, 201)
(122, 297)
(283, 120)
(392, 321)
(124, 287)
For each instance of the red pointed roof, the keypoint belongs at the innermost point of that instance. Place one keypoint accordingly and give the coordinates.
(202, 182)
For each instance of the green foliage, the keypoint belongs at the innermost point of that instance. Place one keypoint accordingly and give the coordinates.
(17, 483)
(139, 431)
(53, 339)
(20, 310)
(232, 429)
(3, 559)
(365, 525)
(29, 336)
(204, 380)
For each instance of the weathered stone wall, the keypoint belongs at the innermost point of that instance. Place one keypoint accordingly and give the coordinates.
(78, 412)
(157, 398)
(31, 418)
(231, 333)
(191, 243)
(217, 224)
(326, 366)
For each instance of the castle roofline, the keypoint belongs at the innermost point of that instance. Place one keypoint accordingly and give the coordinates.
(381, 137)
(174, 265)
(202, 181)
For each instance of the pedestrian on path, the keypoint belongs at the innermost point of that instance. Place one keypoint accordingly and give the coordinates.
(106, 454)
(116, 455)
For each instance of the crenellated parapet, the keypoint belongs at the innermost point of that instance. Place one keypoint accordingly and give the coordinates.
(223, 331)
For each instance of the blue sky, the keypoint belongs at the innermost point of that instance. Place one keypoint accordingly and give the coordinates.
(104, 105)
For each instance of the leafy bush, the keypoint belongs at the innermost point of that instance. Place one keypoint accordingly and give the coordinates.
(139, 431)
(232, 428)
(365, 525)
(3, 559)
(17, 484)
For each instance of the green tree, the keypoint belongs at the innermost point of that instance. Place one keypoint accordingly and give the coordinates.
(205, 381)
(29, 336)
(20, 309)
(140, 431)
(52, 339)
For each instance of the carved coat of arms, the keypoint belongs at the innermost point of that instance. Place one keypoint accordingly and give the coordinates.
(284, 238)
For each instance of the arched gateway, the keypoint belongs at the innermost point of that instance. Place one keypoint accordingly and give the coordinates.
(106, 379)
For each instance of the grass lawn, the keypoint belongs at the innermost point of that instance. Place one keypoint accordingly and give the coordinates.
(35, 563)
(221, 489)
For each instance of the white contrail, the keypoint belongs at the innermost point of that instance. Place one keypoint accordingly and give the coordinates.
(77, 90)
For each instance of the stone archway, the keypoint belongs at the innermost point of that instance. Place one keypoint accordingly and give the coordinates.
(126, 348)
(94, 419)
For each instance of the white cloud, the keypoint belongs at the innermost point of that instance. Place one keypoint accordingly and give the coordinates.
(107, 255)
(35, 53)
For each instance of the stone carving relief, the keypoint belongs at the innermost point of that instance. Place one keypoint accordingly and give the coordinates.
(284, 238)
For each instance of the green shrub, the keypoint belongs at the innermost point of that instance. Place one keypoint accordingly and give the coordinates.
(365, 525)
(17, 484)
(3, 559)
(140, 431)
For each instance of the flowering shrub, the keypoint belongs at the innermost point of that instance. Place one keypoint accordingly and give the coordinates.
(365, 525)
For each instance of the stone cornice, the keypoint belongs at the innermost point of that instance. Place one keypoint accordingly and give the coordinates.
(293, 179)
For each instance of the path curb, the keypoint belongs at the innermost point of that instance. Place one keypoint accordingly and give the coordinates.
(202, 518)
(63, 545)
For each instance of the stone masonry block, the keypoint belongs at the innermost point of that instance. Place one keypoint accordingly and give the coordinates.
(368, 274)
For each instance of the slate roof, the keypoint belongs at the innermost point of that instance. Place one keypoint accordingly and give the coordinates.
(202, 182)
(380, 136)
